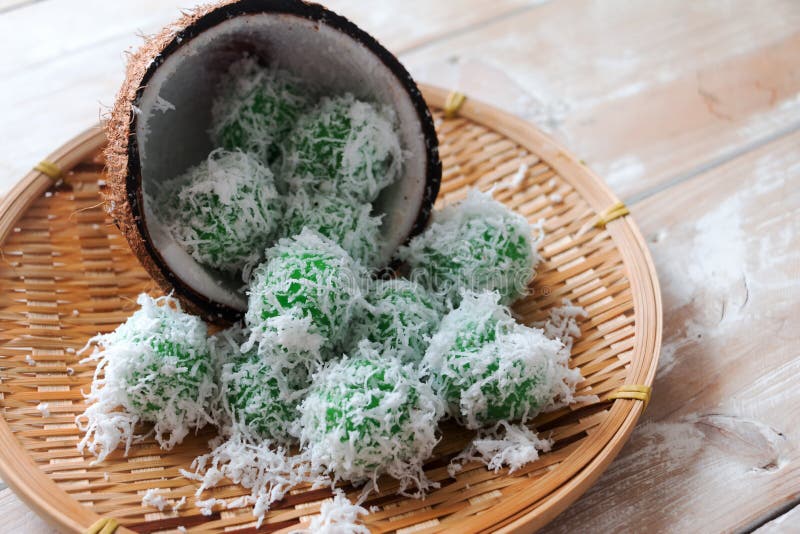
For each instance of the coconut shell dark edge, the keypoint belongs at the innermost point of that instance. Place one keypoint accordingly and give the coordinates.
(122, 154)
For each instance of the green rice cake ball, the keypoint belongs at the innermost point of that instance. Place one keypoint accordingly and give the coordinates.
(260, 390)
(348, 224)
(344, 147)
(224, 211)
(490, 369)
(478, 244)
(306, 278)
(156, 367)
(400, 317)
(367, 415)
(255, 108)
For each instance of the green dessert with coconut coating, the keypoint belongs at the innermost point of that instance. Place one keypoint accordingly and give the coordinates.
(156, 367)
(367, 415)
(349, 224)
(489, 369)
(345, 147)
(224, 211)
(255, 107)
(260, 390)
(478, 244)
(400, 317)
(310, 280)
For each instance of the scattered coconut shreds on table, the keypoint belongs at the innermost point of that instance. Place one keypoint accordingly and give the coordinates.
(44, 409)
(154, 498)
(344, 147)
(156, 368)
(336, 516)
(224, 211)
(477, 244)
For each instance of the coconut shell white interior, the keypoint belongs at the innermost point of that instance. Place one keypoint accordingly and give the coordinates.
(173, 116)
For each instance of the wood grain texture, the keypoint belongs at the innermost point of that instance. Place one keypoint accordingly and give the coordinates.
(19, 518)
(721, 442)
(644, 92)
(654, 96)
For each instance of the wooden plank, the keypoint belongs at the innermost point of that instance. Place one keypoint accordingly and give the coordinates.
(644, 92)
(787, 522)
(10, 5)
(718, 450)
(19, 518)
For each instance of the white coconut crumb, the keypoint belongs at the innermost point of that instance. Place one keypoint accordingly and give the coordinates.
(48, 194)
(206, 506)
(269, 472)
(101, 183)
(515, 181)
(70, 350)
(337, 516)
(163, 105)
(512, 447)
(154, 498)
(181, 528)
(552, 182)
(106, 476)
(17, 230)
(29, 360)
(556, 198)
(179, 504)
(562, 323)
(44, 408)
(75, 313)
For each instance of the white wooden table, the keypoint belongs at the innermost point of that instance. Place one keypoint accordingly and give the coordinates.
(690, 110)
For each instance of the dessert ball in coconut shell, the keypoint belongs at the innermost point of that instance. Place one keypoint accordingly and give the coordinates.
(159, 126)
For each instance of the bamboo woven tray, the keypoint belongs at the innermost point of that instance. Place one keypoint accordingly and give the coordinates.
(66, 273)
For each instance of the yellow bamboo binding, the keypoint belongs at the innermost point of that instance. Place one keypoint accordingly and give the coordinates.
(614, 212)
(453, 103)
(634, 392)
(105, 525)
(49, 168)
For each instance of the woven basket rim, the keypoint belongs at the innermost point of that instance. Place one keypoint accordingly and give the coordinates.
(525, 511)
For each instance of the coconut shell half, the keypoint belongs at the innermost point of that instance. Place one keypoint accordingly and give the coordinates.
(159, 125)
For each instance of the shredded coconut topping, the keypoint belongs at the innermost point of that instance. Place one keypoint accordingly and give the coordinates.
(490, 369)
(477, 244)
(344, 147)
(224, 211)
(155, 367)
(349, 224)
(367, 415)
